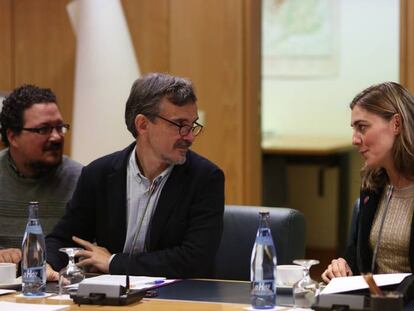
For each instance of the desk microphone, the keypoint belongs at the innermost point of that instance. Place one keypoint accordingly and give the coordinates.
(106, 294)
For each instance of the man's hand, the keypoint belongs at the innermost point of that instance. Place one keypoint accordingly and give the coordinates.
(338, 267)
(95, 256)
(51, 275)
(10, 255)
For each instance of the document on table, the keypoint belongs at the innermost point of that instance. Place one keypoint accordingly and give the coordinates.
(7, 306)
(279, 308)
(350, 283)
(136, 282)
(6, 291)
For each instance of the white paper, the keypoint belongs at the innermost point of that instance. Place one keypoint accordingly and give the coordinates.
(136, 282)
(279, 308)
(350, 283)
(7, 306)
(34, 297)
(60, 297)
(6, 291)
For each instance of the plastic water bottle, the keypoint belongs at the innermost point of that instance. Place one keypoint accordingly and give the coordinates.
(263, 267)
(33, 262)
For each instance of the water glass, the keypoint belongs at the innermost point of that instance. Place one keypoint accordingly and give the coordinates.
(71, 274)
(306, 291)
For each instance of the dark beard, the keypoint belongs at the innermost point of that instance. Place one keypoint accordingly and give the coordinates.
(182, 143)
(53, 147)
(42, 168)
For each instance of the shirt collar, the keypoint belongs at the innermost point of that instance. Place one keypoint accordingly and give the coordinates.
(137, 172)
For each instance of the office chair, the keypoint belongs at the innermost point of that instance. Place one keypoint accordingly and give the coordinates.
(240, 227)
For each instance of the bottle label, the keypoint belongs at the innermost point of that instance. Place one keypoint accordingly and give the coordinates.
(33, 275)
(35, 229)
(264, 240)
(263, 287)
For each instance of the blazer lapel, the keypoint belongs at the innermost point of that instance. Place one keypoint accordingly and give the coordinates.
(368, 207)
(116, 198)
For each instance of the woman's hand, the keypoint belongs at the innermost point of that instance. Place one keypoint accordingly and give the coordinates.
(338, 267)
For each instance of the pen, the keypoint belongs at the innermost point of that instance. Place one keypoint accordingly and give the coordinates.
(156, 282)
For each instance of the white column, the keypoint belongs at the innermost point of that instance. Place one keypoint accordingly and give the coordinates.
(105, 70)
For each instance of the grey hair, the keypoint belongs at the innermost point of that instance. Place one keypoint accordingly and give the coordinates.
(148, 91)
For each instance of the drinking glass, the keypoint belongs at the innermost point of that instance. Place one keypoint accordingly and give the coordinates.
(305, 291)
(71, 274)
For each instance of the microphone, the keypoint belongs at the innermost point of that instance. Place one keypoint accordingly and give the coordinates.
(115, 295)
(358, 302)
(152, 189)
(368, 277)
(390, 190)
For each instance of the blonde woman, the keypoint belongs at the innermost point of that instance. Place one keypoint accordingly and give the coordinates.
(383, 131)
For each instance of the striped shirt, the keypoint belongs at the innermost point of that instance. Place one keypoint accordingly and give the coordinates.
(142, 199)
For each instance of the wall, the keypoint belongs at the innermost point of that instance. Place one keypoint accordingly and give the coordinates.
(6, 48)
(215, 43)
(38, 47)
(368, 37)
(407, 44)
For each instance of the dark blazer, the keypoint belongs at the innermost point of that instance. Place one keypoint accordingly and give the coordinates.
(358, 253)
(185, 229)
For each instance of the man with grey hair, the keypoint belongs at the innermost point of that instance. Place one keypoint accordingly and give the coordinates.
(32, 166)
(154, 208)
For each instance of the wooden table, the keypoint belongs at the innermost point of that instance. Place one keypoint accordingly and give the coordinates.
(280, 151)
(187, 295)
(144, 305)
(203, 295)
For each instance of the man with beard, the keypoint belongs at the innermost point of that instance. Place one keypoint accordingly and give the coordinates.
(32, 167)
(154, 208)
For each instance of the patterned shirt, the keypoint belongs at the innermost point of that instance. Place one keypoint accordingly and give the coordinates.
(393, 251)
(142, 199)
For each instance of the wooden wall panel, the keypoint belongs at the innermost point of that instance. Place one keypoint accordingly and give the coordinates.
(407, 44)
(6, 61)
(206, 45)
(148, 23)
(252, 187)
(45, 50)
(215, 43)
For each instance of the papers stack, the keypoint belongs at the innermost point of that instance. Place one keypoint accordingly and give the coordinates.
(350, 283)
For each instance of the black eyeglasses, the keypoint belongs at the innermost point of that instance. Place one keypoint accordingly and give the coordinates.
(184, 130)
(62, 129)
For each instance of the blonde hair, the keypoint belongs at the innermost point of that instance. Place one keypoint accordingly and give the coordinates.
(385, 100)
